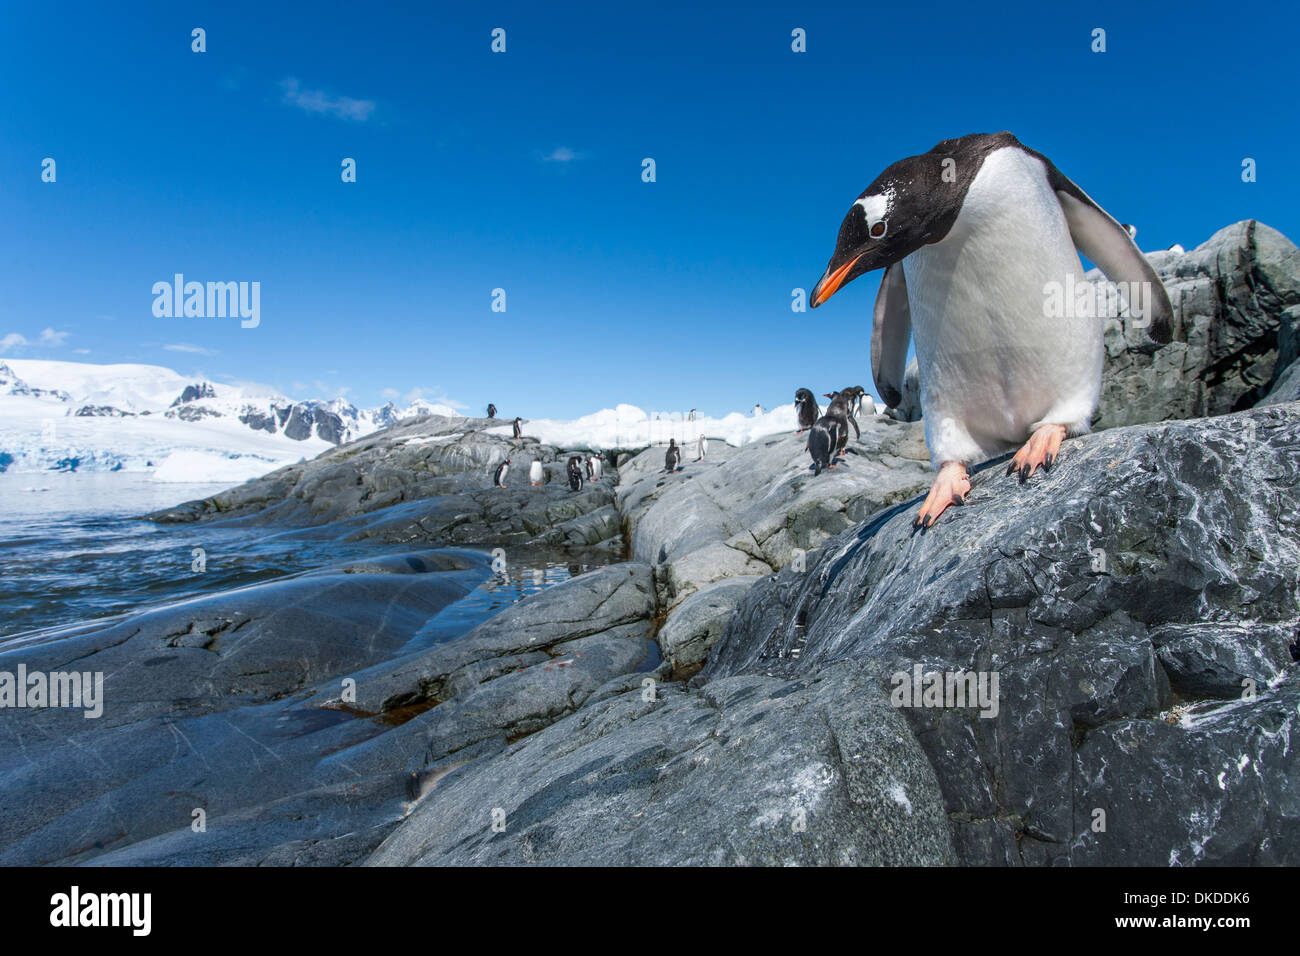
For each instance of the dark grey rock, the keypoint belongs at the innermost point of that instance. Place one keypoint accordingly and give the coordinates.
(1229, 295)
(426, 480)
(193, 393)
(1153, 569)
(1286, 387)
(696, 624)
(1286, 377)
(298, 427)
(193, 413)
(101, 411)
(208, 707)
(258, 420)
(750, 510)
(591, 604)
(329, 426)
(751, 770)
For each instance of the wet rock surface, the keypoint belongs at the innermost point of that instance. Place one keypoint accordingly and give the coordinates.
(291, 742)
(751, 770)
(1127, 600)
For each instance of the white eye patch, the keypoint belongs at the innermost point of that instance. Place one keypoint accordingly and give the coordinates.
(875, 207)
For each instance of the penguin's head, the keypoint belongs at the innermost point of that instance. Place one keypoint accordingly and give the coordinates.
(905, 208)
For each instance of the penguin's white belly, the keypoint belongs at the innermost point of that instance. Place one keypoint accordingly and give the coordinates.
(994, 361)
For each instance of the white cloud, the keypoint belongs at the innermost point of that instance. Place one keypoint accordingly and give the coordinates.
(562, 154)
(435, 395)
(317, 101)
(391, 393)
(333, 391)
(49, 337)
(186, 347)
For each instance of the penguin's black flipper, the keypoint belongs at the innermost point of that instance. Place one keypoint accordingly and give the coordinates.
(891, 331)
(1103, 240)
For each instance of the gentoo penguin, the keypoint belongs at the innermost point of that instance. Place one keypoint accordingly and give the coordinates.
(806, 409)
(758, 410)
(673, 457)
(591, 469)
(974, 237)
(491, 410)
(702, 446)
(597, 467)
(499, 478)
(692, 416)
(1176, 247)
(856, 394)
(535, 473)
(822, 441)
(575, 473)
(840, 408)
(518, 426)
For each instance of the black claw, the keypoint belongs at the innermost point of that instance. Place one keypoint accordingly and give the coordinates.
(1011, 467)
(1024, 474)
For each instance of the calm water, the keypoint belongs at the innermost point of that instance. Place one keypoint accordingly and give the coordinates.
(72, 548)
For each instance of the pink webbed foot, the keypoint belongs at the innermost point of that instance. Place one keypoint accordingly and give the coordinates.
(951, 486)
(1039, 452)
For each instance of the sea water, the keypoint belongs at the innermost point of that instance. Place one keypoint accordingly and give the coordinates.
(73, 548)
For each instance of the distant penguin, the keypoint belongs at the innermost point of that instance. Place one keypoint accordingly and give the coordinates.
(1176, 247)
(591, 468)
(972, 237)
(702, 446)
(673, 457)
(499, 478)
(757, 410)
(575, 473)
(535, 472)
(597, 467)
(491, 410)
(806, 409)
(518, 426)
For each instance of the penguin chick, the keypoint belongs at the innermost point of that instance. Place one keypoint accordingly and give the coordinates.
(806, 410)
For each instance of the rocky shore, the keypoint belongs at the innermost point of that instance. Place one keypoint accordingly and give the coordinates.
(725, 691)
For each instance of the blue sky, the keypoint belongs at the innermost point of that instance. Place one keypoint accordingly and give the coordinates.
(522, 171)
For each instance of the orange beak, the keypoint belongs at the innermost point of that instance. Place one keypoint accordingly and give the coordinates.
(830, 283)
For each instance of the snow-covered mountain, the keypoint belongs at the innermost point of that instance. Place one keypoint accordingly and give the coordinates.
(73, 416)
(69, 416)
